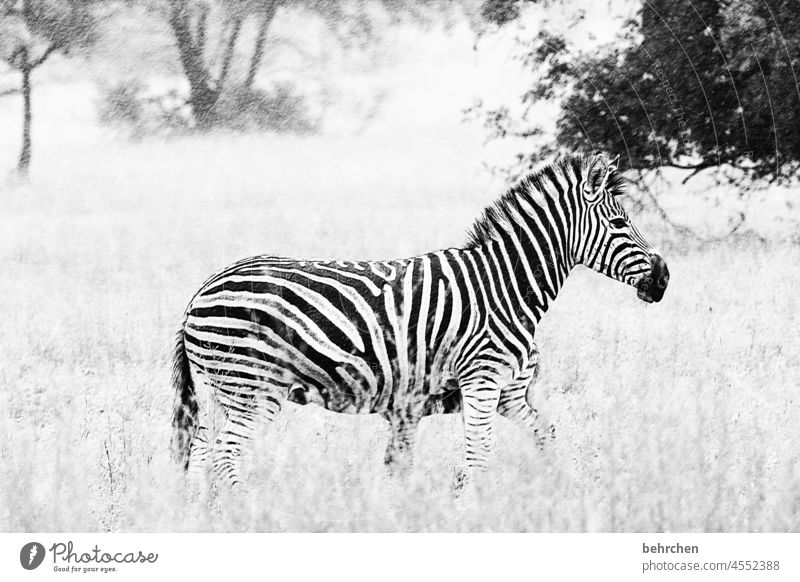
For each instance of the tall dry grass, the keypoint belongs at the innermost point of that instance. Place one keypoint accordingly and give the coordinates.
(680, 416)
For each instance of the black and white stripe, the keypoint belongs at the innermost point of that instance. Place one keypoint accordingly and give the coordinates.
(397, 337)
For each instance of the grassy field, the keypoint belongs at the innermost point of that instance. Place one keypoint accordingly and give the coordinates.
(680, 416)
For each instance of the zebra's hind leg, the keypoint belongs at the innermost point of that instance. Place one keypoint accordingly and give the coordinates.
(200, 477)
(199, 453)
(245, 412)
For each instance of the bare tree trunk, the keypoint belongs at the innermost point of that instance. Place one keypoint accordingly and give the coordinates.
(25, 153)
(203, 95)
(258, 49)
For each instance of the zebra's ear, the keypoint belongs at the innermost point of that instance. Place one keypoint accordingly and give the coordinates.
(609, 169)
(595, 174)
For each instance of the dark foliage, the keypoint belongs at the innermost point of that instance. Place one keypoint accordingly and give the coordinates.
(499, 12)
(127, 105)
(691, 84)
(280, 110)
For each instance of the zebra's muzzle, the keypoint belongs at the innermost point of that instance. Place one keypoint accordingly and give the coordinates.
(651, 287)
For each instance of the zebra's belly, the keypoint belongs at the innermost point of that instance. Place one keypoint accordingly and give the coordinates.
(433, 393)
(350, 383)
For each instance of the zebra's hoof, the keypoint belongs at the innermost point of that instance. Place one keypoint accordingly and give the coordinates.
(459, 481)
(541, 438)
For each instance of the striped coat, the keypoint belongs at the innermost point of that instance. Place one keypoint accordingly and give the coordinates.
(392, 337)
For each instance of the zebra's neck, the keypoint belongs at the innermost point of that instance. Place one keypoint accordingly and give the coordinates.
(521, 277)
(526, 240)
(523, 262)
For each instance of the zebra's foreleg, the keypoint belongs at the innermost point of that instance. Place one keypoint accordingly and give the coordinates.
(515, 407)
(479, 408)
(212, 419)
(399, 455)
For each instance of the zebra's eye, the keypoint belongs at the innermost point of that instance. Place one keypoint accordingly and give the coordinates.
(618, 222)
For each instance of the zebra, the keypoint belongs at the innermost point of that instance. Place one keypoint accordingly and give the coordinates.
(399, 338)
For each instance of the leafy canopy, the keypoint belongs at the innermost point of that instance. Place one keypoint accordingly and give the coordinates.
(693, 84)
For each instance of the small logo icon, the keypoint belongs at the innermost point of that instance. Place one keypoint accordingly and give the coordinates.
(31, 555)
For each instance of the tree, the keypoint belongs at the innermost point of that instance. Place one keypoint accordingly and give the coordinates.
(31, 31)
(691, 84)
(190, 22)
(189, 25)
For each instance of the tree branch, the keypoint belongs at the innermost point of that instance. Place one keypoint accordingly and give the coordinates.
(701, 166)
(227, 57)
(44, 56)
(200, 29)
(12, 58)
(681, 228)
(694, 172)
(258, 49)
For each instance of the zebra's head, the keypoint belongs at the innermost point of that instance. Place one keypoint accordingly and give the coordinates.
(607, 241)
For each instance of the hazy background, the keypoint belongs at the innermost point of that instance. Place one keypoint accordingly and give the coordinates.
(680, 416)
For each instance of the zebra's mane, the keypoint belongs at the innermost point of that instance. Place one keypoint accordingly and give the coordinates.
(533, 188)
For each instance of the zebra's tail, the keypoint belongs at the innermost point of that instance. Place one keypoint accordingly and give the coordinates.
(185, 414)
